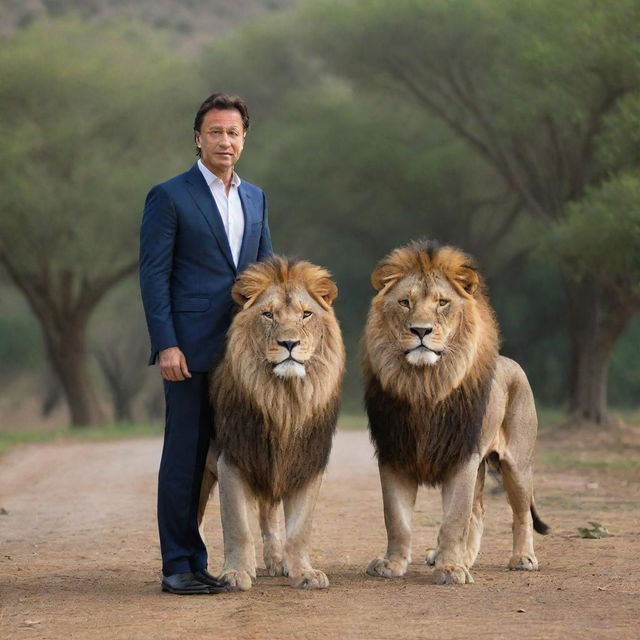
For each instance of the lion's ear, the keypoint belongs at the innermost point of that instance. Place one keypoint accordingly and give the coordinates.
(318, 282)
(466, 277)
(246, 289)
(385, 274)
(325, 291)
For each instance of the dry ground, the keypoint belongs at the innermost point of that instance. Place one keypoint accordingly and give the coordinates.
(79, 555)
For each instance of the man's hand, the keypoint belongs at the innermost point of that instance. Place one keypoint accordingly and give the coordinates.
(173, 365)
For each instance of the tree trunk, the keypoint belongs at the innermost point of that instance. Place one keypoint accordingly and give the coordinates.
(67, 354)
(121, 363)
(63, 300)
(597, 317)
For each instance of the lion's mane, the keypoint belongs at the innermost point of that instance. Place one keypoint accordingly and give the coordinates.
(425, 421)
(278, 431)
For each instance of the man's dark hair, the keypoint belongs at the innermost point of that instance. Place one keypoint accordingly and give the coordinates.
(221, 101)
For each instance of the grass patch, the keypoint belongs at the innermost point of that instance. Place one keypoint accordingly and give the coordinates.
(550, 418)
(352, 422)
(588, 460)
(104, 432)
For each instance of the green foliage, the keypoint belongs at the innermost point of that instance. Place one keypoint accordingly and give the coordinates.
(265, 62)
(600, 236)
(90, 118)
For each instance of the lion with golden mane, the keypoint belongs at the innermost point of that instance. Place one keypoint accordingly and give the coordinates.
(275, 397)
(441, 403)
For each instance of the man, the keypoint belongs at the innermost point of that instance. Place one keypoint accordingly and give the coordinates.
(199, 230)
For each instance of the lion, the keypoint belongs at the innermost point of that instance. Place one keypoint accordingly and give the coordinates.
(441, 403)
(275, 397)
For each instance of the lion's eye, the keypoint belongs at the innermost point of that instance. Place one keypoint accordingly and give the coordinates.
(443, 303)
(306, 314)
(404, 302)
(268, 314)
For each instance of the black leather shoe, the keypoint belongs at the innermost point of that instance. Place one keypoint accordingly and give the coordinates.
(204, 576)
(185, 584)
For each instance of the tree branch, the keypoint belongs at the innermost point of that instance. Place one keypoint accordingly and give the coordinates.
(92, 293)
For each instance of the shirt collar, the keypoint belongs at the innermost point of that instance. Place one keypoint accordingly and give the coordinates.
(211, 177)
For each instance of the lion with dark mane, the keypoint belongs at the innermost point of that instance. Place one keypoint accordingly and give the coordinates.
(442, 403)
(275, 397)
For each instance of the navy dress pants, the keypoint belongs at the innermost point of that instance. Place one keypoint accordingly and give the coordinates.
(186, 441)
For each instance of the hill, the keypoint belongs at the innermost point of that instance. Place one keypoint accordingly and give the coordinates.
(194, 20)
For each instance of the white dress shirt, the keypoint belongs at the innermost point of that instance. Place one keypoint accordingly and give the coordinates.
(229, 206)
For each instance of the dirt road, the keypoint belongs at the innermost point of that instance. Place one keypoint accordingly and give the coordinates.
(79, 558)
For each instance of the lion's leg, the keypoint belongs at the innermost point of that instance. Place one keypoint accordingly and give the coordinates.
(518, 482)
(520, 426)
(235, 505)
(476, 524)
(399, 498)
(209, 480)
(298, 512)
(476, 521)
(457, 497)
(272, 549)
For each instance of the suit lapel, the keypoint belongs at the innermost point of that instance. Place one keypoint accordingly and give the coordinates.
(251, 216)
(201, 194)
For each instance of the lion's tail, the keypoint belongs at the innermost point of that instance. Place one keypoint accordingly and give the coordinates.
(538, 525)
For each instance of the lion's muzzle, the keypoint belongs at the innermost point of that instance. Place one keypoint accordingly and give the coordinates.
(422, 355)
(289, 366)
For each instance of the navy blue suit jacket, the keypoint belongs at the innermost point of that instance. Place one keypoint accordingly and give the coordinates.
(186, 266)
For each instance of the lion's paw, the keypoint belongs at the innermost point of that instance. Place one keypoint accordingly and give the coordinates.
(523, 563)
(274, 558)
(386, 568)
(452, 574)
(236, 580)
(276, 567)
(430, 558)
(310, 579)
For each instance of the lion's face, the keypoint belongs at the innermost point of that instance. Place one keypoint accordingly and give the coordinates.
(285, 314)
(426, 296)
(430, 326)
(287, 325)
(422, 313)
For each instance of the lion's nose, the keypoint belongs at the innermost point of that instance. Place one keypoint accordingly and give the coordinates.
(289, 344)
(421, 332)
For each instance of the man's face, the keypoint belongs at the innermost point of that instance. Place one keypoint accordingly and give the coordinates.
(221, 139)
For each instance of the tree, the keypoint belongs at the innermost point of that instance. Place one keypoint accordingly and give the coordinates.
(89, 120)
(598, 242)
(537, 90)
